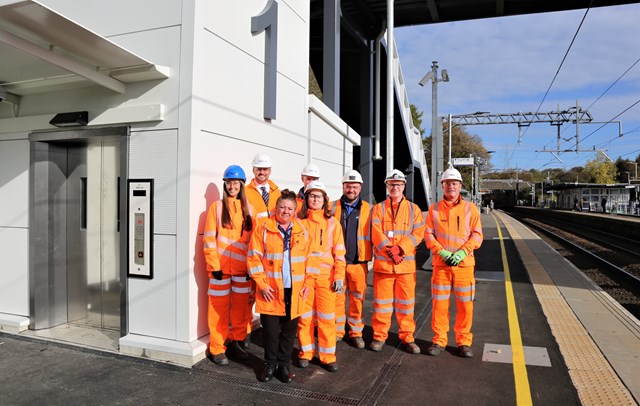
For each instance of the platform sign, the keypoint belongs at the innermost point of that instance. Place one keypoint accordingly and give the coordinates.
(463, 161)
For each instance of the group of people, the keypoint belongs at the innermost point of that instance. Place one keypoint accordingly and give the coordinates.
(301, 258)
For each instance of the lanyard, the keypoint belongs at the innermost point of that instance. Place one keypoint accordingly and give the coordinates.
(394, 214)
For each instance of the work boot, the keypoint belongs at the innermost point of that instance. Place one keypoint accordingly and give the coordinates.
(331, 367)
(376, 345)
(412, 348)
(237, 351)
(435, 350)
(358, 342)
(219, 359)
(465, 351)
(284, 374)
(247, 342)
(303, 363)
(267, 372)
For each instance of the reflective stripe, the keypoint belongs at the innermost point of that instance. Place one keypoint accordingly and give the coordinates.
(326, 316)
(213, 292)
(413, 239)
(409, 258)
(224, 281)
(341, 319)
(441, 287)
(262, 214)
(233, 255)
(354, 321)
(383, 244)
(364, 238)
(356, 329)
(377, 221)
(274, 275)
(239, 279)
(256, 253)
(240, 290)
(313, 270)
(209, 233)
(464, 298)
(356, 295)
(310, 347)
(339, 247)
(404, 311)
(383, 310)
(405, 302)
(440, 297)
(274, 256)
(464, 288)
(256, 269)
(307, 315)
(326, 350)
(297, 278)
(298, 259)
(210, 244)
(340, 327)
(383, 301)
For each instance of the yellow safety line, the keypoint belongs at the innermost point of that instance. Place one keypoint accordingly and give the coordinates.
(523, 391)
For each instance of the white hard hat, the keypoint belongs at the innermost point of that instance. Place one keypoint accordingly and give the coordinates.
(315, 184)
(395, 175)
(311, 170)
(451, 174)
(352, 176)
(261, 161)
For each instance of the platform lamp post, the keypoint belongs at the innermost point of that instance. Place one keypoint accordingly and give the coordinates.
(437, 143)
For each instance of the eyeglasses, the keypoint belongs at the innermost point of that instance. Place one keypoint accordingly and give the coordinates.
(395, 185)
(316, 197)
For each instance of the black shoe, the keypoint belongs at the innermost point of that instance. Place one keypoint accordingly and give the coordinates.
(435, 350)
(236, 351)
(267, 373)
(465, 351)
(219, 359)
(284, 374)
(331, 367)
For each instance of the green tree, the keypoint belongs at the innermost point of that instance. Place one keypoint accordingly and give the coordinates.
(600, 170)
(416, 117)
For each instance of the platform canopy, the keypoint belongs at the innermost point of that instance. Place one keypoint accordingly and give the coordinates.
(43, 51)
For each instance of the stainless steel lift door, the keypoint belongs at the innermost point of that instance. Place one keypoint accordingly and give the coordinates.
(93, 252)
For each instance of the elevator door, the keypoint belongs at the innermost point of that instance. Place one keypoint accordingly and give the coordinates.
(93, 235)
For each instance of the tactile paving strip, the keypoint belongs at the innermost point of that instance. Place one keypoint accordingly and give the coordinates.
(591, 374)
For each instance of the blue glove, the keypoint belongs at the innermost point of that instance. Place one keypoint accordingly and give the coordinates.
(445, 255)
(338, 285)
(457, 258)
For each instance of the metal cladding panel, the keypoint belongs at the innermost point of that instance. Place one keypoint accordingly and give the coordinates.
(152, 302)
(14, 183)
(14, 272)
(154, 155)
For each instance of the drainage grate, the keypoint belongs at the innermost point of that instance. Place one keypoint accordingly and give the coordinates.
(279, 389)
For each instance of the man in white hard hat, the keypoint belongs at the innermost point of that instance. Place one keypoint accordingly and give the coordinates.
(397, 227)
(354, 215)
(453, 232)
(262, 193)
(309, 173)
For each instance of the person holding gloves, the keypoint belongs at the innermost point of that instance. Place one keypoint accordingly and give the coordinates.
(327, 245)
(226, 233)
(453, 232)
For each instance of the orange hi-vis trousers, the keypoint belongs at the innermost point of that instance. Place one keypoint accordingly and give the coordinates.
(464, 290)
(321, 305)
(228, 304)
(355, 288)
(394, 291)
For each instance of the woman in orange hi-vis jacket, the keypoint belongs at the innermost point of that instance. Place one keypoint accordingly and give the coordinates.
(453, 232)
(279, 263)
(397, 227)
(327, 244)
(226, 234)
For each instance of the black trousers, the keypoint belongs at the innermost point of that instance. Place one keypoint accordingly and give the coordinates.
(279, 334)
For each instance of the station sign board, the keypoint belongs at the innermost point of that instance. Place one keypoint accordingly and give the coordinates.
(463, 161)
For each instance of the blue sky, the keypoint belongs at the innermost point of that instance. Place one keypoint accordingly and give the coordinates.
(505, 65)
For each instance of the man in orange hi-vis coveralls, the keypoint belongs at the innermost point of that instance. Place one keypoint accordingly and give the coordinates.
(262, 194)
(397, 227)
(327, 245)
(354, 215)
(226, 234)
(453, 232)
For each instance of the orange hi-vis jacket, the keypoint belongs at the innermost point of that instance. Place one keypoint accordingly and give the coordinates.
(327, 244)
(265, 259)
(453, 226)
(364, 228)
(225, 249)
(401, 224)
(254, 196)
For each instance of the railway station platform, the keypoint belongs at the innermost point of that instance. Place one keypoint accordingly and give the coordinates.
(543, 334)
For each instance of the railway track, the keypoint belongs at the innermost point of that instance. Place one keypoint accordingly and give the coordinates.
(609, 260)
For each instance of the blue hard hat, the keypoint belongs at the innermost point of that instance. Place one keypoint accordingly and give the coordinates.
(234, 172)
